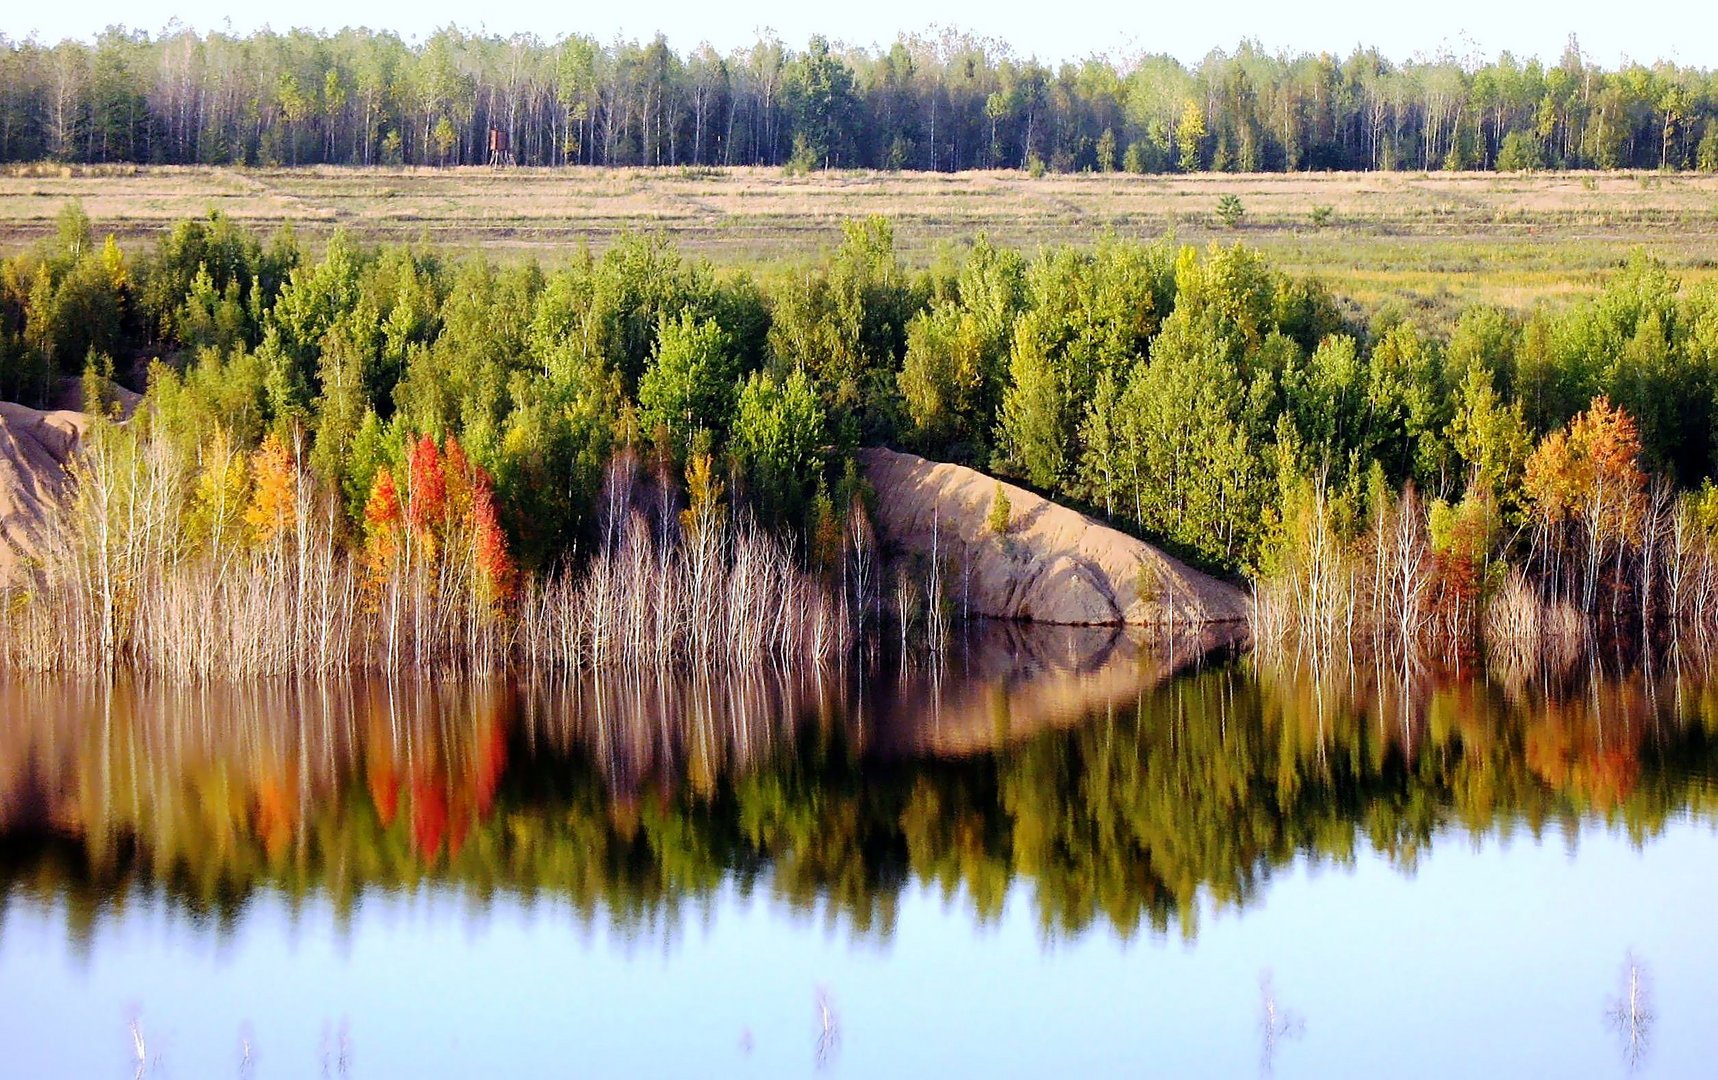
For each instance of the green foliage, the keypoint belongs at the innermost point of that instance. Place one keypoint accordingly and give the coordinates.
(97, 397)
(1520, 152)
(690, 384)
(779, 437)
(1106, 151)
(957, 351)
(846, 324)
(1192, 397)
(820, 96)
(1322, 216)
(362, 97)
(1001, 515)
(556, 442)
(1036, 420)
(1230, 211)
(1706, 157)
(1196, 478)
(1190, 132)
(1491, 440)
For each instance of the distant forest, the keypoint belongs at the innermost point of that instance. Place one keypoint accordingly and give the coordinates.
(365, 98)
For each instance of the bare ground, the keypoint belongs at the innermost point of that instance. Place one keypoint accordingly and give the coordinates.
(1052, 565)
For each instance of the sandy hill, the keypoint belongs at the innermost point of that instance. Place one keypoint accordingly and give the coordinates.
(1054, 565)
(35, 448)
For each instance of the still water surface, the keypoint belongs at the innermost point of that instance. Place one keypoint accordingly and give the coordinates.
(1058, 855)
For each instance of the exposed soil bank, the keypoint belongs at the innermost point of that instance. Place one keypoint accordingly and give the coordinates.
(35, 448)
(1054, 565)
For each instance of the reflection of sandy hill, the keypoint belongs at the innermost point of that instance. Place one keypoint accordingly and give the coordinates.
(1056, 565)
(77, 756)
(1014, 681)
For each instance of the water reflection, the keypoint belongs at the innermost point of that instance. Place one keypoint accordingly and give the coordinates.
(1122, 784)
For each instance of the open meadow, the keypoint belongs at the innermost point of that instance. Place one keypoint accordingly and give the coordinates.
(1429, 240)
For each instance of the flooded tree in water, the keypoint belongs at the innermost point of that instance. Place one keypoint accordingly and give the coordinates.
(828, 1027)
(1631, 1013)
(1276, 1023)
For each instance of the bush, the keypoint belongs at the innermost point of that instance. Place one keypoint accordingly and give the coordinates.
(1520, 152)
(1230, 211)
(1706, 158)
(1001, 512)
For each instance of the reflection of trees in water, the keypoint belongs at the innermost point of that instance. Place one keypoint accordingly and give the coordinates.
(628, 798)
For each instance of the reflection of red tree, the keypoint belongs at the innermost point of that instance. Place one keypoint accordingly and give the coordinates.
(429, 814)
(451, 792)
(275, 814)
(384, 781)
(1572, 758)
(489, 762)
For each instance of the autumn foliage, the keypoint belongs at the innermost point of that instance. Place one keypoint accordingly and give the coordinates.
(1590, 473)
(446, 532)
(274, 496)
(1587, 495)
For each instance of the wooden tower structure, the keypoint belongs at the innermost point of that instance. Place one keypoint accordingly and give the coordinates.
(500, 149)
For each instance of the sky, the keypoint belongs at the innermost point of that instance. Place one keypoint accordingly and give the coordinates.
(1063, 30)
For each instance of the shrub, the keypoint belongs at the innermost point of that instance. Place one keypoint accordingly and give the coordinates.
(1520, 152)
(1001, 512)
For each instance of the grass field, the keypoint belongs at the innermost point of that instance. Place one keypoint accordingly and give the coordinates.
(1423, 239)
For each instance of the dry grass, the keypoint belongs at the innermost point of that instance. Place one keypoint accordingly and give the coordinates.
(128, 583)
(1428, 239)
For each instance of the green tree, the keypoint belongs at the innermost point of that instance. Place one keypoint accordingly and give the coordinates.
(1520, 152)
(1194, 474)
(689, 385)
(1001, 514)
(779, 436)
(1033, 429)
(1491, 439)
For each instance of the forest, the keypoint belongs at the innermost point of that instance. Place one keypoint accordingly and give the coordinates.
(954, 102)
(630, 455)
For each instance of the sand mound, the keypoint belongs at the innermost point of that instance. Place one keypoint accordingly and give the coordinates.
(34, 450)
(1055, 565)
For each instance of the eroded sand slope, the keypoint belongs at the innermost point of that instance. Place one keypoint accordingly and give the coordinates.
(1055, 565)
(35, 448)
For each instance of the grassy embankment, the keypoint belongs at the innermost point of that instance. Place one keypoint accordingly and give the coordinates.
(1431, 241)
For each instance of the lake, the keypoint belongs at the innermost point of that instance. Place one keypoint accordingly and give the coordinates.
(1054, 853)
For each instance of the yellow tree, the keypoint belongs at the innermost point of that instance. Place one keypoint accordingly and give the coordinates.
(1189, 134)
(273, 508)
(219, 505)
(1589, 480)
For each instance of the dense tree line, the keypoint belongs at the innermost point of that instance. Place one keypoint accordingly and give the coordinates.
(365, 98)
(1182, 394)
